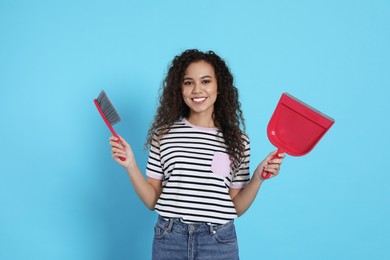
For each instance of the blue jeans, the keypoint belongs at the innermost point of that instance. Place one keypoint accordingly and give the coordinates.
(174, 239)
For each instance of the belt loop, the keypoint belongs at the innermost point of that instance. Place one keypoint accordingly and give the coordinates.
(170, 224)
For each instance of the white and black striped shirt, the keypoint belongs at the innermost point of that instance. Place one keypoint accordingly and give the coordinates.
(194, 167)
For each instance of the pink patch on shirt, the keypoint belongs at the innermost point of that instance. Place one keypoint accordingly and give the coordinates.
(221, 164)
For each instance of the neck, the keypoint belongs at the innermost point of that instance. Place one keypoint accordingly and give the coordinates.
(202, 121)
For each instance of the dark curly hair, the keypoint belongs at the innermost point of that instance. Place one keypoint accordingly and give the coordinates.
(228, 116)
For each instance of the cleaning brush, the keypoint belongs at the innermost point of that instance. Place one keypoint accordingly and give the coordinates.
(108, 113)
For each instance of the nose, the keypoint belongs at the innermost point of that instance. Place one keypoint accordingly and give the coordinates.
(197, 88)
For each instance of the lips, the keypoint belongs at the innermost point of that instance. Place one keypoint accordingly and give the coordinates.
(199, 100)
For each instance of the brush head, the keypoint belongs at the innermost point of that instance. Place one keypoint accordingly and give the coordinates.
(107, 108)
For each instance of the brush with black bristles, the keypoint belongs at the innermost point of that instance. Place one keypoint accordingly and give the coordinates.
(108, 113)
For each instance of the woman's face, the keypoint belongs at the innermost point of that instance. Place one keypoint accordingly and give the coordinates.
(200, 88)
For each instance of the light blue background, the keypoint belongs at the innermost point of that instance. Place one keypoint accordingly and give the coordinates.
(61, 195)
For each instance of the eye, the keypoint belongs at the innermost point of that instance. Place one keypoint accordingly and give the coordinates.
(206, 81)
(187, 83)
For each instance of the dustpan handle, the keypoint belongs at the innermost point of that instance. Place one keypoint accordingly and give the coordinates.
(265, 174)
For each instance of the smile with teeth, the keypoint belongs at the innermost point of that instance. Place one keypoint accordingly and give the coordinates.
(199, 100)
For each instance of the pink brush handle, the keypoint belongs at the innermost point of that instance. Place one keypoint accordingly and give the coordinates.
(121, 158)
(265, 174)
(109, 125)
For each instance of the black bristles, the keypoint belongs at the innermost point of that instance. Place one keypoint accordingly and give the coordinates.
(107, 108)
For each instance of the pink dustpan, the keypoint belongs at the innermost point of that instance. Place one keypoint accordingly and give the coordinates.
(295, 128)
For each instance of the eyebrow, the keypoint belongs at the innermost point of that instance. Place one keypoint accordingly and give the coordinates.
(203, 77)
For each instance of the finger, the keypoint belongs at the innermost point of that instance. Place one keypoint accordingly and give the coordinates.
(273, 167)
(276, 161)
(272, 173)
(118, 150)
(119, 160)
(272, 154)
(115, 145)
(118, 154)
(279, 159)
(279, 155)
(114, 139)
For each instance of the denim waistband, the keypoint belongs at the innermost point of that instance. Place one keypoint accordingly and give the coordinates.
(178, 225)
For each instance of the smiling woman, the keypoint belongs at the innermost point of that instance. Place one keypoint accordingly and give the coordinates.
(198, 177)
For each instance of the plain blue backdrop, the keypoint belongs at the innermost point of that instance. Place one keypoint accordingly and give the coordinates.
(62, 196)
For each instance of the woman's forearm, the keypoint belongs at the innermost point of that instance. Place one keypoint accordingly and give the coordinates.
(243, 199)
(147, 190)
(246, 196)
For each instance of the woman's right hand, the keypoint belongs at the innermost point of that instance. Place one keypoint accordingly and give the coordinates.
(120, 148)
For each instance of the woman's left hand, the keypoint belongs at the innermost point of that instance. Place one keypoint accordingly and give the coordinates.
(270, 165)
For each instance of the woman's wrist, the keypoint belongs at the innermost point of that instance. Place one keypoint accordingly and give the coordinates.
(131, 167)
(258, 175)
